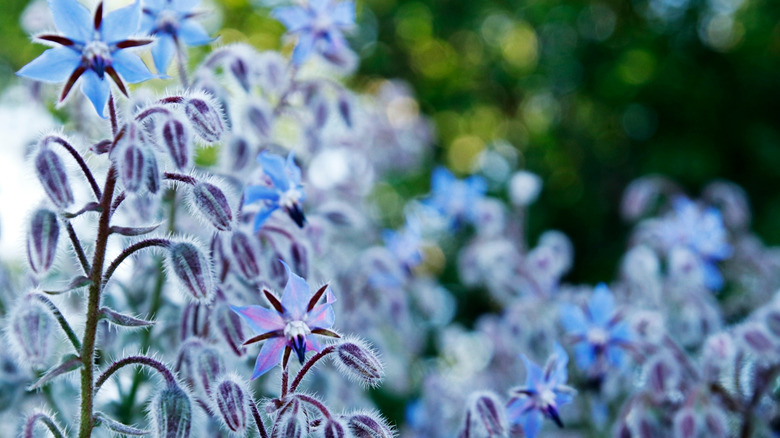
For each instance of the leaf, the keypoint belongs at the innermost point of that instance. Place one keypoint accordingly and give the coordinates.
(102, 419)
(92, 206)
(123, 320)
(101, 147)
(70, 362)
(76, 283)
(133, 231)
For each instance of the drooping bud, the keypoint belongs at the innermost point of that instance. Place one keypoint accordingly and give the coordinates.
(757, 340)
(42, 240)
(685, 424)
(220, 259)
(51, 173)
(245, 255)
(152, 176)
(663, 375)
(212, 203)
(186, 362)
(486, 415)
(209, 368)
(230, 401)
(172, 413)
(230, 327)
(334, 428)
(195, 321)
(130, 157)
(31, 330)
(241, 72)
(239, 153)
(192, 270)
(206, 119)
(259, 119)
(345, 110)
(369, 425)
(291, 422)
(176, 138)
(300, 260)
(358, 362)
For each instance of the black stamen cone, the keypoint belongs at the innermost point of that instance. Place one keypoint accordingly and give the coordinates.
(553, 413)
(299, 345)
(296, 214)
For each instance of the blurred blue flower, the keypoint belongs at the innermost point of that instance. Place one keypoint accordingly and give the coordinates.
(544, 392)
(406, 243)
(701, 231)
(285, 189)
(90, 47)
(319, 25)
(288, 324)
(172, 22)
(598, 331)
(455, 198)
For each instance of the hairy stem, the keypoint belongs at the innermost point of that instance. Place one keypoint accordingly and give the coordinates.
(74, 240)
(258, 419)
(136, 360)
(82, 164)
(29, 426)
(310, 363)
(314, 402)
(127, 252)
(61, 320)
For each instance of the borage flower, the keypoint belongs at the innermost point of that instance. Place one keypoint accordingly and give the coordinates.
(454, 198)
(599, 332)
(172, 22)
(544, 392)
(318, 25)
(289, 324)
(284, 191)
(90, 47)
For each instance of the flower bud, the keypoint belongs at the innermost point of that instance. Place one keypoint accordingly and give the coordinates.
(240, 71)
(231, 329)
(259, 119)
(152, 175)
(663, 376)
(132, 168)
(52, 175)
(42, 240)
(220, 259)
(192, 270)
(300, 261)
(209, 368)
(369, 425)
(685, 424)
(176, 139)
(206, 119)
(32, 327)
(230, 401)
(172, 413)
(239, 153)
(345, 110)
(359, 362)
(757, 340)
(245, 255)
(334, 428)
(211, 202)
(195, 321)
(291, 422)
(486, 416)
(186, 361)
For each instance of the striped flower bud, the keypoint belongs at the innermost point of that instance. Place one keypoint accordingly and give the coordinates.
(187, 359)
(358, 362)
(205, 118)
(192, 270)
(230, 327)
(171, 411)
(239, 153)
(32, 327)
(345, 110)
(230, 402)
(195, 321)
(152, 175)
(291, 422)
(176, 138)
(212, 204)
(241, 72)
(51, 173)
(130, 157)
(259, 119)
(369, 425)
(219, 257)
(42, 240)
(245, 255)
(209, 368)
(334, 428)
(300, 259)
(486, 416)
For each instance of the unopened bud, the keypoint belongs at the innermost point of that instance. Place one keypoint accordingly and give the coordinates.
(230, 327)
(245, 255)
(195, 321)
(291, 422)
(369, 425)
(42, 240)
(359, 362)
(172, 413)
(230, 400)
(187, 359)
(192, 270)
(757, 340)
(176, 139)
(345, 110)
(220, 259)
(152, 175)
(300, 260)
(239, 153)
(685, 424)
(206, 119)
(259, 119)
(663, 375)
(52, 175)
(212, 203)
(132, 168)
(209, 368)
(240, 71)
(31, 329)
(334, 428)
(487, 416)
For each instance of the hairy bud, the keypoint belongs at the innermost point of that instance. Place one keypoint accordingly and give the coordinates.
(241, 72)
(259, 119)
(187, 359)
(195, 321)
(171, 411)
(212, 203)
(130, 158)
(230, 327)
(220, 259)
(152, 174)
(334, 428)
(32, 326)
(300, 260)
(230, 401)
(359, 362)
(345, 110)
(192, 270)
(685, 424)
(239, 153)
(209, 368)
(291, 422)
(176, 139)
(205, 118)
(369, 425)
(52, 175)
(486, 416)
(245, 255)
(42, 240)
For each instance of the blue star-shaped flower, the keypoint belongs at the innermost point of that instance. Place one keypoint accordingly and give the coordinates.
(598, 332)
(405, 244)
(319, 25)
(288, 324)
(90, 47)
(455, 198)
(544, 392)
(172, 21)
(285, 190)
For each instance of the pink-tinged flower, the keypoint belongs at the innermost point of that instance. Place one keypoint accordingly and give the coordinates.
(288, 325)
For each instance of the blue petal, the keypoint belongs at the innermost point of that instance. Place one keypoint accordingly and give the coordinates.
(294, 18)
(262, 215)
(584, 355)
(441, 179)
(344, 13)
(273, 166)
(120, 24)
(573, 319)
(319, 5)
(562, 398)
(185, 5)
(193, 34)
(296, 295)
(293, 171)
(476, 185)
(270, 355)
(162, 52)
(615, 356)
(72, 19)
(148, 21)
(257, 193)
(712, 276)
(54, 65)
(533, 373)
(561, 373)
(303, 48)
(260, 319)
(96, 89)
(620, 332)
(130, 67)
(601, 306)
(532, 423)
(155, 5)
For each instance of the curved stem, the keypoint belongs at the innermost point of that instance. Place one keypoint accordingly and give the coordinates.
(151, 111)
(285, 381)
(135, 360)
(258, 419)
(82, 164)
(118, 201)
(29, 425)
(310, 363)
(74, 240)
(164, 243)
(112, 115)
(314, 402)
(180, 177)
(182, 64)
(61, 320)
